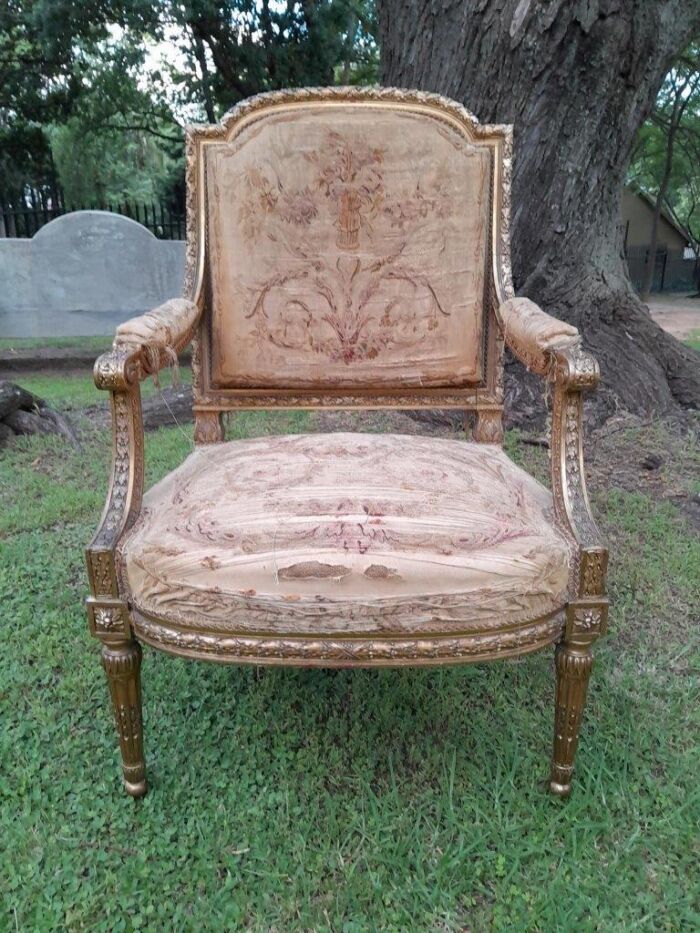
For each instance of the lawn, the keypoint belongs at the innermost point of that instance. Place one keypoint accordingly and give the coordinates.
(315, 800)
(98, 344)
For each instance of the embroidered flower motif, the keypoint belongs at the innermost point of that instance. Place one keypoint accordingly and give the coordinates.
(348, 185)
(298, 207)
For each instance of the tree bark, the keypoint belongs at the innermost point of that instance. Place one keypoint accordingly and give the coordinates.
(22, 412)
(577, 78)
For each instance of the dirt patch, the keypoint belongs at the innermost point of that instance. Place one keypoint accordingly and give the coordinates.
(677, 314)
(654, 458)
(47, 360)
(50, 361)
(376, 422)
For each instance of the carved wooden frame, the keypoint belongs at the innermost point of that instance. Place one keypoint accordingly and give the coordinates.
(572, 372)
(486, 397)
(116, 623)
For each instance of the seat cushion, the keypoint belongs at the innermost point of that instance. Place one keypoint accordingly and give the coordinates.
(347, 533)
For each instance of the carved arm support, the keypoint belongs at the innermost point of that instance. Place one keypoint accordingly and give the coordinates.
(552, 349)
(142, 346)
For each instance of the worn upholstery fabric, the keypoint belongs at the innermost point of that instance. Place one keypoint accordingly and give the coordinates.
(532, 333)
(347, 248)
(353, 533)
(162, 331)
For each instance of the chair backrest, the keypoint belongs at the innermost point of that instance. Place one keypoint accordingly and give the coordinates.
(348, 245)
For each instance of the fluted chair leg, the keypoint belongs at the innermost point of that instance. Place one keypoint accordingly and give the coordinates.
(122, 664)
(573, 667)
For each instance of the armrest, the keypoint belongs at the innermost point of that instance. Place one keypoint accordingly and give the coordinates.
(535, 336)
(552, 349)
(142, 346)
(160, 334)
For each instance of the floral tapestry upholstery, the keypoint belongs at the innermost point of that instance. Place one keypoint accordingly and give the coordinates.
(533, 334)
(347, 248)
(354, 533)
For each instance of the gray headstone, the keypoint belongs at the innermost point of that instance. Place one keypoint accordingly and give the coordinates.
(96, 261)
(83, 273)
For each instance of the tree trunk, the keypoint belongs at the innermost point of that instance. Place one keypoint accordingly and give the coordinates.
(577, 79)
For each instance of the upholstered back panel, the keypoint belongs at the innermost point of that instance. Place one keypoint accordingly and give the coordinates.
(347, 248)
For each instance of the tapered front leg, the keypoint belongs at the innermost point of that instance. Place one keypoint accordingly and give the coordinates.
(122, 664)
(573, 666)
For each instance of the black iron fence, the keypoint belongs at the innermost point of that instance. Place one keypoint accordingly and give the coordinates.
(163, 222)
(672, 273)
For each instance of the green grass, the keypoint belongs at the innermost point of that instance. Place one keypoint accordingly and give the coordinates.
(98, 344)
(348, 800)
(77, 390)
(694, 340)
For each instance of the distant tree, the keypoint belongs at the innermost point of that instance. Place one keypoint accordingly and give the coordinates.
(235, 48)
(81, 102)
(666, 160)
(122, 140)
(27, 102)
(42, 76)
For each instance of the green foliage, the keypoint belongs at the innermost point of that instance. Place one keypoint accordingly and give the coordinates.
(121, 141)
(338, 800)
(236, 48)
(41, 77)
(84, 104)
(675, 119)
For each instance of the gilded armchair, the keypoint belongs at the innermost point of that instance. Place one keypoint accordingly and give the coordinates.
(348, 248)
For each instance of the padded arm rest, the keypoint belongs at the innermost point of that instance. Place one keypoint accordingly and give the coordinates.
(553, 349)
(160, 333)
(535, 336)
(141, 346)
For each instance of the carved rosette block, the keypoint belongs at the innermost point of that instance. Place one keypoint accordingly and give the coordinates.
(573, 666)
(208, 427)
(489, 427)
(585, 621)
(108, 620)
(122, 664)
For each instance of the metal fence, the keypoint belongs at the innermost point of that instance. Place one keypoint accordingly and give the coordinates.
(163, 222)
(672, 273)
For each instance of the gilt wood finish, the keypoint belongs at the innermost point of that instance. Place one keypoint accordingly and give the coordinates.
(570, 372)
(496, 140)
(122, 664)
